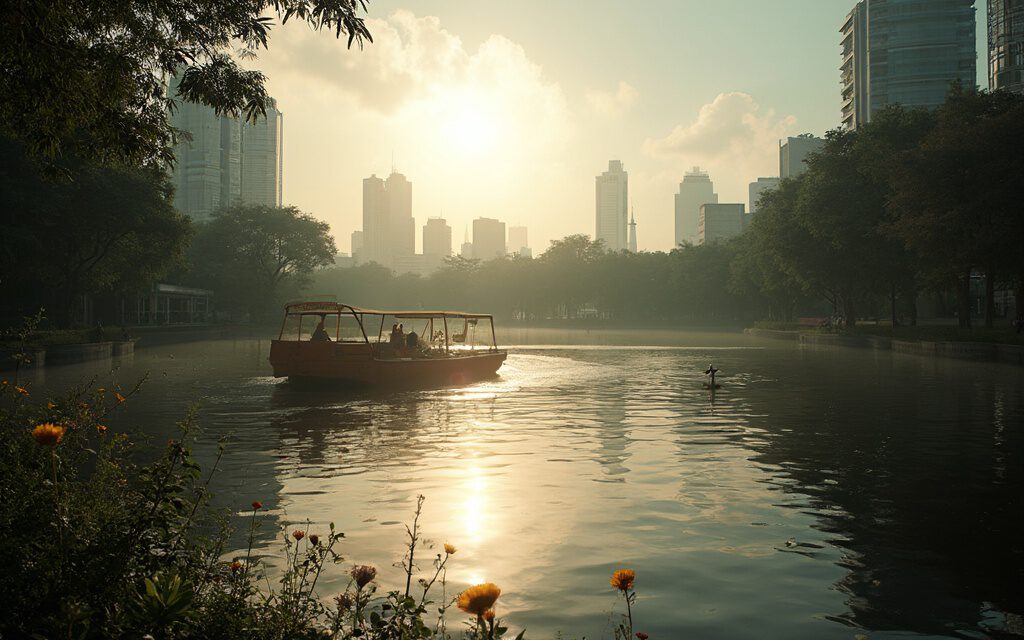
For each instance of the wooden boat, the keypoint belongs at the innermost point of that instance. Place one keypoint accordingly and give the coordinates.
(333, 343)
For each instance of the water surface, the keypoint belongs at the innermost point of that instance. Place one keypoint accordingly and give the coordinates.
(822, 493)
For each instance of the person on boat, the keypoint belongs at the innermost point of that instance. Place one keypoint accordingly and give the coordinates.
(320, 334)
(396, 335)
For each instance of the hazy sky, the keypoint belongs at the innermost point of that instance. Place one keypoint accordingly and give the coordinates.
(509, 109)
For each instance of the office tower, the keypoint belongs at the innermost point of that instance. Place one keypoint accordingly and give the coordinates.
(357, 246)
(466, 250)
(517, 241)
(262, 158)
(757, 188)
(695, 189)
(612, 203)
(719, 222)
(905, 52)
(1006, 45)
(225, 161)
(437, 238)
(632, 232)
(389, 230)
(488, 239)
(793, 154)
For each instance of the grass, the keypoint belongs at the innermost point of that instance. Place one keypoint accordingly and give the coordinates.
(919, 333)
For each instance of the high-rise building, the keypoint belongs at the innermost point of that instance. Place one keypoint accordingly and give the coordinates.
(488, 239)
(437, 238)
(757, 188)
(695, 189)
(262, 158)
(794, 151)
(632, 232)
(905, 52)
(517, 242)
(466, 250)
(719, 222)
(612, 205)
(389, 230)
(1006, 45)
(357, 246)
(225, 161)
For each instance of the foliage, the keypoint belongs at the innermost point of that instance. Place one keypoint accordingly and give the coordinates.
(253, 255)
(88, 77)
(111, 229)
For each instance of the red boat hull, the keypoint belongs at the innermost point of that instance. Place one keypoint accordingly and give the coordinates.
(354, 364)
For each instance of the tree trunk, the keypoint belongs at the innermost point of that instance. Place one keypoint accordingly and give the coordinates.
(892, 305)
(963, 300)
(849, 312)
(990, 303)
(913, 311)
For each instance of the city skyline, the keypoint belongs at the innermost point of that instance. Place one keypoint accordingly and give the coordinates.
(440, 93)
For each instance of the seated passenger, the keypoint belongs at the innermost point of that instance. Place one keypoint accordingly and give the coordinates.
(396, 335)
(412, 341)
(320, 334)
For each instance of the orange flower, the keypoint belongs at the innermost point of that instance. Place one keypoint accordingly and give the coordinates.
(489, 615)
(449, 548)
(51, 406)
(236, 566)
(623, 579)
(119, 397)
(22, 390)
(256, 505)
(298, 534)
(48, 434)
(479, 598)
(100, 390)
(101, 429)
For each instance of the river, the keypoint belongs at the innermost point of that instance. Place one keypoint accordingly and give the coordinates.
(821, 493)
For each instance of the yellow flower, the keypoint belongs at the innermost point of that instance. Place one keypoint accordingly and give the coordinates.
(623, 579)
(100, 390)
(51, 406)
(48, 434)
(101, 429)
(119, 397)
(449, 548)
(479, 598)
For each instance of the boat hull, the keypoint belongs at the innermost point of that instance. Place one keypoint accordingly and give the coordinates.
(354, 365)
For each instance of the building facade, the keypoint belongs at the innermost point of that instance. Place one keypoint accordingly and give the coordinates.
(632, 232)
(755, 189)
(793, 154)
(389, 230)
(1006, 45)
(226, 161)
(719, 222)
(488, 239)
(612, 200)
(695, 190)
(518, 242)
(437, 238)
(905, 52)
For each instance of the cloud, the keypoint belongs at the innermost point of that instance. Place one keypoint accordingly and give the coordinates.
(615, 104)
(732, 136)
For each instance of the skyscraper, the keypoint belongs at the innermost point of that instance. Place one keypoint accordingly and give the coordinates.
(905, 52)
(793, 154)
(226, 161)
(357, 246)
(695, 189)
(488, 238)
(757, 188)
(389, 230)
(262, 158)
(632, 232)
(1006, 45)
(612, 205)
(437, 238)
(517, 242)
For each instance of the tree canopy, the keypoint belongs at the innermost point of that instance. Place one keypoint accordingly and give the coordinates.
(89, 77)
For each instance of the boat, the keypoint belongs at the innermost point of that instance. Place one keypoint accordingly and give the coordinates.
(334, 343)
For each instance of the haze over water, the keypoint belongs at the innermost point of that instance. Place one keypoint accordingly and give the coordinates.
(822, 493)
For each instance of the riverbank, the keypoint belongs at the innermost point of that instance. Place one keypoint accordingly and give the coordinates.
(962, 349)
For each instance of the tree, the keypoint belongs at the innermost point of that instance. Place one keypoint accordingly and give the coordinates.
(89, 76)
(113, 229)
(957, 195)
(254, 254)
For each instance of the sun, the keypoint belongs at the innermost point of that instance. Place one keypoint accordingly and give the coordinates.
(472, 131)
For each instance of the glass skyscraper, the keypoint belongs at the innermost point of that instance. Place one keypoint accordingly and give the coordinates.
(1006, 45)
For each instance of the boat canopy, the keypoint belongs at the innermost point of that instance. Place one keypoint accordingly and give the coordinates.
(316, 308)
